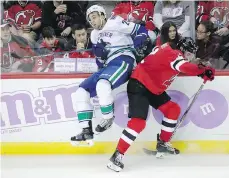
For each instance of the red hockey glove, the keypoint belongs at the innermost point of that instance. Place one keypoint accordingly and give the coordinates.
(208, 74)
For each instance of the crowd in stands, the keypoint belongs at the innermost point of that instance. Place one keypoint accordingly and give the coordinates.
(33, 33)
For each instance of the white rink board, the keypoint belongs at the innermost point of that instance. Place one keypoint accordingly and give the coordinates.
(33, 111)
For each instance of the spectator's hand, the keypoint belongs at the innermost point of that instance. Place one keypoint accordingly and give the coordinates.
(223, 31)
(213, 19)
(61, 9)
(80, 46)
(66, 32)
(26, 28)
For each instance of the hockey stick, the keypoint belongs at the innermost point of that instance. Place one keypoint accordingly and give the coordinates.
(154, 152)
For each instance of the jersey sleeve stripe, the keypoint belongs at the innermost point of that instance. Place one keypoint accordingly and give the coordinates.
(135, 29)
(178, 63)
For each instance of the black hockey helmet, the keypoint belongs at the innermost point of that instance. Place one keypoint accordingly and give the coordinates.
(187, 44)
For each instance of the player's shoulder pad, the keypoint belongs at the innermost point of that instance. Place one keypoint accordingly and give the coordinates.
(94, 36)
(115, 19)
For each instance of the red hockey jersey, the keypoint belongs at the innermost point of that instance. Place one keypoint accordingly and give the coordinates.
(158, 70)
(217, 9)
(27, 15)
(143, 12)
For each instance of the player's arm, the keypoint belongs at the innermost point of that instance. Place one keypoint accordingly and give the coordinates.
(128, 28)
(138, 32)
(183, 66)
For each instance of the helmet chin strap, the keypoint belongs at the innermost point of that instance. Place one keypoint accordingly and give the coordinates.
(101, 21)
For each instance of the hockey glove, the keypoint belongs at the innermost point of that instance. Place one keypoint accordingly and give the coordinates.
(208, 74)
(140, 40)
(99, 50)
(140, 43)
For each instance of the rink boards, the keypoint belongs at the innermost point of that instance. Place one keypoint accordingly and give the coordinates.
(38, 116)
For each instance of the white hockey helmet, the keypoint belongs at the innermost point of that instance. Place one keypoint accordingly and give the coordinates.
(95, 8)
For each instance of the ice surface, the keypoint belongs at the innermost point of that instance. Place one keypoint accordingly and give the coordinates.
(94, 166)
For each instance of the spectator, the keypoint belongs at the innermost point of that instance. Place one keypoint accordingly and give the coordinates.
(61, 15)
(208, 44)
(80, 41)
(169, 33)
(50, 42)
(217, 13)
(175, 11)
(140, 12)
(27, 16)
(49, 48)
(14, 49)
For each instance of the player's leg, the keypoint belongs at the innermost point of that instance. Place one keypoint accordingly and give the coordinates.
(138, 111)
(171, 112)
(115, 74)
(86, 90)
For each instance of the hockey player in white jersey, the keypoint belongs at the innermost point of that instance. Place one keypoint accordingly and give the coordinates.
(114, 41)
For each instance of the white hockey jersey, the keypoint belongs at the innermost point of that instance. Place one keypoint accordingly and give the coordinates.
(117, 34)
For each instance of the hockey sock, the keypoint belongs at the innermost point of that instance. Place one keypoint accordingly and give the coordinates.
(106, 100)
(84, 107)
(134, 127)
(171, 112)
(84, 117)
(168, 126)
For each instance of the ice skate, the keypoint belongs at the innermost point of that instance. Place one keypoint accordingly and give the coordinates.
(85, 138)
(116, 162)
(164, 148)
(104, 125)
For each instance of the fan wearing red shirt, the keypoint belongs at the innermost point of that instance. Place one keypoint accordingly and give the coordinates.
(147, 87)
(27, 16)
(140, 12)
(218, 12)
(50, 47)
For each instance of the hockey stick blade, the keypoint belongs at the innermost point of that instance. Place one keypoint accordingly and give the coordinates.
(150, 152)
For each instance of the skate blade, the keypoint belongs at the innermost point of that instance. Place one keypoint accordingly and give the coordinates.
(113, 167)
(97, 133)
(87, 143)
(160, 155)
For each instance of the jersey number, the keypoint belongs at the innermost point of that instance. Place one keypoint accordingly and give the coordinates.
(154, 51)
(125, 22)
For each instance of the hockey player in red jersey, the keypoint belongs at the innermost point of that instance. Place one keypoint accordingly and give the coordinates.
(147, 86)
